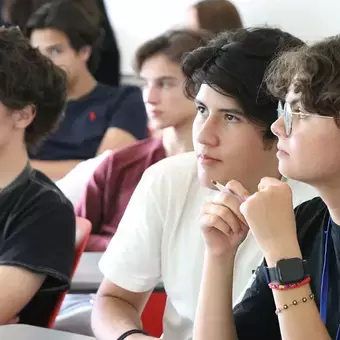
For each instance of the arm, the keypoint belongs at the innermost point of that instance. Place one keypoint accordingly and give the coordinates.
(132, 262)
(116, 311)
(18, 286)
(55, 169)
(302, 321)
(270, 216)
(115, 138)
(224, 229)
(214, 319)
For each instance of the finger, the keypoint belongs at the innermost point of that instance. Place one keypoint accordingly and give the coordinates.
(267, 182)
(225, 215)
(238, 189)
(232, 202)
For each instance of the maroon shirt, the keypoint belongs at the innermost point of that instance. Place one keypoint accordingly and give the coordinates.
(111, 186)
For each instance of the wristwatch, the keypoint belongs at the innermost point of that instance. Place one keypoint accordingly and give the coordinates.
(287, 271)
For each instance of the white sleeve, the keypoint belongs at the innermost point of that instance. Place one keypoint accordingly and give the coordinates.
(75, 182)
(133, 257)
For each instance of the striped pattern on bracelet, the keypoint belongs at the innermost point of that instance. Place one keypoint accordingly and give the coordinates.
(294, 303)
(278, 286)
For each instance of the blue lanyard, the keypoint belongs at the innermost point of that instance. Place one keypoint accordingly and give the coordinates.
(324, 282)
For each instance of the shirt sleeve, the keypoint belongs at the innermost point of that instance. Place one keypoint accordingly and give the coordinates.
(74, 183)
(133, 257)
(128, 113)
(255, 314)
(91, 205)
(41, 238)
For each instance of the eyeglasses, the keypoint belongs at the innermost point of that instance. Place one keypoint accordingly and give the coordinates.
(287, 113)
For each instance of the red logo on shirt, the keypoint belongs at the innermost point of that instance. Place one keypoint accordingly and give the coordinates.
(92, 116)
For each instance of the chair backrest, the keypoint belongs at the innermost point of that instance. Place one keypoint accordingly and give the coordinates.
(83, 231)
(152, 317)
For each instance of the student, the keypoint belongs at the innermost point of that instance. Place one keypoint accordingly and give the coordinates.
(158, 237)
(37, 223)
(17, 13)
(215, 16)
(109, 190)
(97, 117)
(307, 300)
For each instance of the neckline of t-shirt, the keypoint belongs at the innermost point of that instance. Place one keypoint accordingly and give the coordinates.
(87, 95)
(21, 178)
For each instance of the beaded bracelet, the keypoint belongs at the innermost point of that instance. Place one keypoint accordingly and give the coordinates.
(294, 303)
(278, 286)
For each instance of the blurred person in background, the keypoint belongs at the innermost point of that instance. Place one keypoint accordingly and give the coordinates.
(17, 12)
(215, 16)
(97, 117)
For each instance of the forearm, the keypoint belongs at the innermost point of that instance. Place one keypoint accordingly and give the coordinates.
(55, 169)
(214, 318)
(301, 321)
(112, 317)
(98, 242)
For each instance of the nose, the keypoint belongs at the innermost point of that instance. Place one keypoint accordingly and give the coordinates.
(206, 132)
(278, 128)
(151, 94)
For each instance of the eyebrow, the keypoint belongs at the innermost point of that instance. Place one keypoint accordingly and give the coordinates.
(161, 78)
(223, 110)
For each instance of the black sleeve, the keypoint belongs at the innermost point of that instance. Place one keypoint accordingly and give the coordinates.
(255, 316)
(40, 236)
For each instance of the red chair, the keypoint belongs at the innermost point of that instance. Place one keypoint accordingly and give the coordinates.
(83, 231)
(152, 316)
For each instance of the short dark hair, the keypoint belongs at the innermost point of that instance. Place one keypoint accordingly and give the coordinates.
(174, 44)
(314, 71)
(72, 19)
(234, 64)
(217, 15)
(29, 78)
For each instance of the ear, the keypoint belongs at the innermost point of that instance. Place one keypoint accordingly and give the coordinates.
(23, 118)
(85, 53)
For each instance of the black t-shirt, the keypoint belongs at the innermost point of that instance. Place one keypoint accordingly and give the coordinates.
(37, 232)
(255, 316)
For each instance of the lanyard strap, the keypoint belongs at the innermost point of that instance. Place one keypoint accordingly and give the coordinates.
(324, 281)
(324, 278)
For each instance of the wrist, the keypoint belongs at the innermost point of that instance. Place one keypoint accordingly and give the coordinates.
(220, 259)
(282, 252)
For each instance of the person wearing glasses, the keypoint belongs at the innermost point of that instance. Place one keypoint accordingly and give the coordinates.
(296, 292)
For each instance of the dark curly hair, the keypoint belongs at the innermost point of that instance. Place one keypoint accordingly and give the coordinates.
(29, 78)
(314, 71)
(234, 64)
(174, 44)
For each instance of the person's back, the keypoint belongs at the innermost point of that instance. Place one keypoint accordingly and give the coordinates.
(97, 117)
(37, 233)
(158, 238)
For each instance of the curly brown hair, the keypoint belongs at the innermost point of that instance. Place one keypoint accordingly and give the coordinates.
(313, 71)
(29, 78)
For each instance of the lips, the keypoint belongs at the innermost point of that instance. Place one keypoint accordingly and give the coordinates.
(206, 157)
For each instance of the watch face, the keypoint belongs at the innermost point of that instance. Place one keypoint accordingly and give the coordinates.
(290, 270)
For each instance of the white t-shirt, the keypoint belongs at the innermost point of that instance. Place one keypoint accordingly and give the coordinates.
(159, 239)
